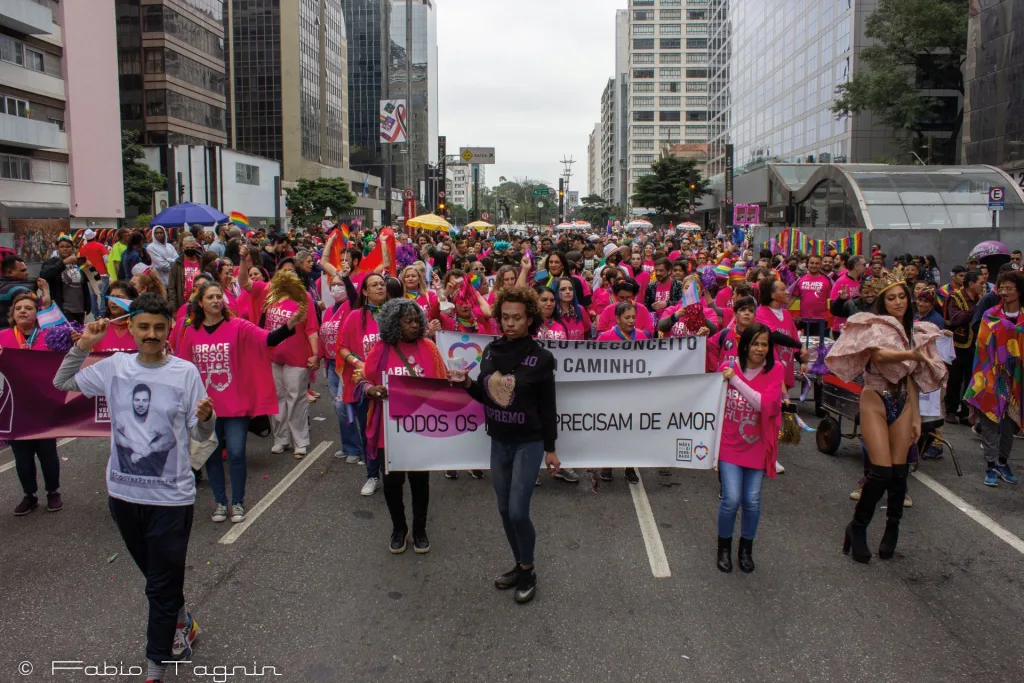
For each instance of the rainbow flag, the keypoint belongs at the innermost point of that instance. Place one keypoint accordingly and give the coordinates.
(239, 219)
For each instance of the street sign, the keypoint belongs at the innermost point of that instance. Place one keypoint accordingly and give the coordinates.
(477, 155)
(408, 194)
(996, 198)
(693, 210)
(540, 192)
(441, 194)
(409, 208)
(486, 216)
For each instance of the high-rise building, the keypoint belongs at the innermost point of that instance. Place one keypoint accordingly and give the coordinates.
(619, 118)
(289, 66)
(60, 137)
(607, 157)
(171, 61)
(594, 161)
(367, 24)
(412, 75)
(668, 72)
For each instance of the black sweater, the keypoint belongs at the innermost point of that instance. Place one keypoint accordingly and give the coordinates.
(527, 412)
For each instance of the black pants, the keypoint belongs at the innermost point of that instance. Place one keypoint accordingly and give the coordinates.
(25, 453)
(157, 538)
(419, 486)
(959, 380)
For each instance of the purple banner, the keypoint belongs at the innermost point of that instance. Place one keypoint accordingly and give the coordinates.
(30, 406)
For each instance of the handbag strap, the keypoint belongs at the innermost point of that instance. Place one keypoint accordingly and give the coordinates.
(405, 361)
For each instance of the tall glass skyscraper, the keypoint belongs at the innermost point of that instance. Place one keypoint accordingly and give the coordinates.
(367, 22)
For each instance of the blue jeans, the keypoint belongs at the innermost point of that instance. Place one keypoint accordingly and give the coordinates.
(353, 435)
(351, 439)
(739, 484)
(98, 305)
(231, 434)
(514, 468)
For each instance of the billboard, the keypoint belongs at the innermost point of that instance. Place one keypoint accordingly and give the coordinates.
(393, 119)
(477, 155)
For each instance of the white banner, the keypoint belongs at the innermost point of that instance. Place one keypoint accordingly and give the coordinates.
(654, 422)
(584, 361)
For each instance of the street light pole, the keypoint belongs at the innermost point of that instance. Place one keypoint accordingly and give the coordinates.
(540, 205)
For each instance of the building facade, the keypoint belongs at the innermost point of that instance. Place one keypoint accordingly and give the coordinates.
(60, 137)
(172, 70)
(594, 161)
(668, 74)
(367, 26)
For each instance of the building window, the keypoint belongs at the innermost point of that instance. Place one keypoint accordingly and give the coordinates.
(643, 30)
(671, 43)
(696, 29)
(12, 50)
(643, 15)
(696, 101)
(668, 116)
(671, 3)
(673, 86)
(643, 58)
(643, 116)
(670, 29)
(643, 101)
(166, 61)
(643, 43)
(643, 158)
(34, 60)
(15, 168)
(696, 14)
(643, 145)
(671, 14)
(696, 130)
(670, 58)
(643, 73)
(670, 101)
(696, 43)
(640, 172)
(12, 106)
(696, 116)
(668, 132)
(669, 72)
(643, 130)
(696, 87)
(696, 58)
(59, 123)
(176, 105)
(643, 87)
(247, 174)
(696, 73)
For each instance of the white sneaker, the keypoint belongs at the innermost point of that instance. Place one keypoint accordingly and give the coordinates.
(278, 450)
(300, 452)
(220, 514)
(237, 513)
(339, 455)
(371, 485)
(779, 469)
(352, 459)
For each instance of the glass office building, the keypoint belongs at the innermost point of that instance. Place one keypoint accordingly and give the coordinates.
(257, 65)
(367, 23)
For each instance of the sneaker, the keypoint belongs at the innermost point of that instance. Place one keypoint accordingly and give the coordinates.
(855, 494)
(220, 514)
(509, 579)
(538, 482)
(300, 452)
(907, 502)
(55, 504)
(476, 474)
(605, 473)
(568, 475)
(353, 459)
(526, 586)
(371, 485)
(991, 476)
(237, 513)
(631, 476)
(420, 543)
(952, 419)
(779, 469)
(933, 453)
(1006, 474)
(184, 635)
(278, 450)
(451, 474)
(339, 455)
(399, 541)
(27, 505)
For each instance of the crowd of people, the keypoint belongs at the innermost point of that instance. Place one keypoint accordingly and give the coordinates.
(229, 329)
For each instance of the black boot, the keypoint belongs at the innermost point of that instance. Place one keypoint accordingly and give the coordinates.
(856, 538)
(725, 554)
(746, 555)
(894, 511)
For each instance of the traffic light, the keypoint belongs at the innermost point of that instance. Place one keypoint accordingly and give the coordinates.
(441, 206)
(561, 199)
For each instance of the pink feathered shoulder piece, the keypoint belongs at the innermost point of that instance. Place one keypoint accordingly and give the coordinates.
(865, 332)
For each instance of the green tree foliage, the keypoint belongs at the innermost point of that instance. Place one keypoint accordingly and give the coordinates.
(666, 190)
(519, 192)
(594, 210)
(142, 220)
(310, 199)
(919, 44)
(458, 214)
(140, 181)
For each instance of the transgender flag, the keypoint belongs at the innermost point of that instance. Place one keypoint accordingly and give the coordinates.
(691, 295)
(50, 316)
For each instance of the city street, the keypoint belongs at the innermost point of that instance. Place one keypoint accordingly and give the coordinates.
(307, 586)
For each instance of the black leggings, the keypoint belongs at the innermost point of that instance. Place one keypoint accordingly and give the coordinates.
(25, 453)
(394, 491)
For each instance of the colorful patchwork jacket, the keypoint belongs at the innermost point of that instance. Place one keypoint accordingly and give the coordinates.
(998, 375)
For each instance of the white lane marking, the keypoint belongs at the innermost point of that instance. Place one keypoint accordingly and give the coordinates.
(649, 530)
(253, 514)
(10, 465)
(974, 513)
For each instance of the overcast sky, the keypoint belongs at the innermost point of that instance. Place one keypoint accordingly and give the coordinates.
(525, 77)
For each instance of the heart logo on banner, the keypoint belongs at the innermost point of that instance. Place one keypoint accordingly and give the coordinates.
(467, 351)
(700, 451)
(501, 388)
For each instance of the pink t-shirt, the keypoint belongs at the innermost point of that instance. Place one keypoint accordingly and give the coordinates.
(431, 306)
(191, 270)
(679, 329)
(600, 300)
(330, 328)
(552, 329)
(359, 333)
(724, 297)
(722, 346)
(615, 335)
(8, 340)
(116, 339)
(644, 319)
(770, 317)
(648, 266)
(854, 288)
(578, 330)
(662, 292)
(234, 363)
(295, 350)
(814, 292)
(750, 436)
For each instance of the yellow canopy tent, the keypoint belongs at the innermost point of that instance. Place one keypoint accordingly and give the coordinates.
(429, 221)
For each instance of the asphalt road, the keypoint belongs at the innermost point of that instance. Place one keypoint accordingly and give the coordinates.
(309, 587)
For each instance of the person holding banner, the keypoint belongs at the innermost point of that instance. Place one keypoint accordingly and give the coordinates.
(402, 349)
(750, 440)
(233, 361)
(24, 333)
(898, 359)
(516, 386)
(625, 324)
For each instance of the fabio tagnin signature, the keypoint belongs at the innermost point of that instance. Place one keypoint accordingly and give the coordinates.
(220, 673)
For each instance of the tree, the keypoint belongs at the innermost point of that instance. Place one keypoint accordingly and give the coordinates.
(142, 220)
(458, 214)
(520, 192)
(666, 189)
(920, 44)
(594, 210)
(140, 181)
(310, 199)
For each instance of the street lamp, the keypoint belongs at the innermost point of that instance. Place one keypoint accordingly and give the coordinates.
(540, 205)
